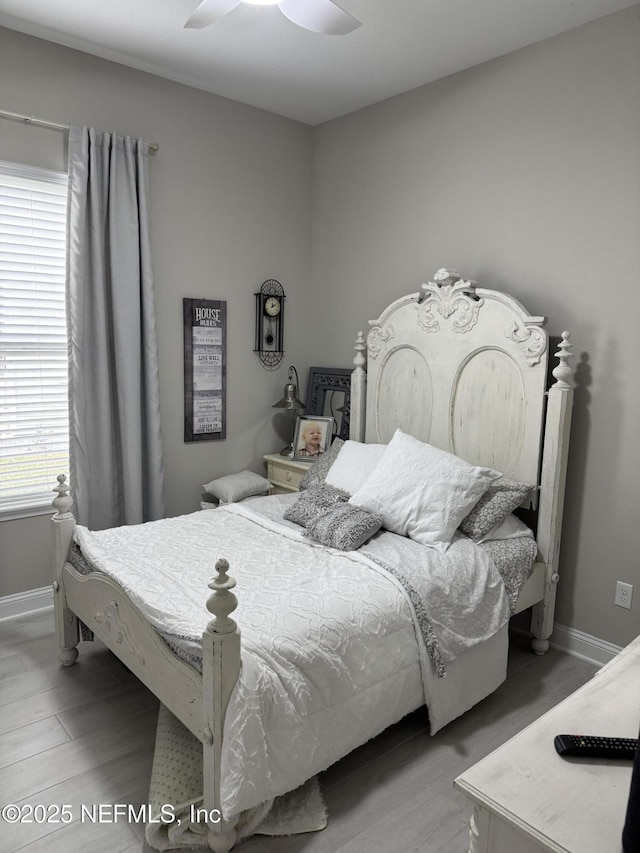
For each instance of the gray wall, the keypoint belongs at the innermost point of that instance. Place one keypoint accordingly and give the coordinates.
(524, 174)
(230, 207)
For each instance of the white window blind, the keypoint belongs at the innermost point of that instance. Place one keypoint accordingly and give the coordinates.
(34, 420)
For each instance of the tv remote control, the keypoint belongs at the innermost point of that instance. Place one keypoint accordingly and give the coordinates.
(592, 746)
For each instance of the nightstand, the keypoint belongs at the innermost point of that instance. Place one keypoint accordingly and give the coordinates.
(285, 474)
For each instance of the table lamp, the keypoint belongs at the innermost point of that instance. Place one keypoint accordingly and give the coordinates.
(289, 401)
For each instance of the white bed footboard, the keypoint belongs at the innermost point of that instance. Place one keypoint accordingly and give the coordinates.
(198, 701)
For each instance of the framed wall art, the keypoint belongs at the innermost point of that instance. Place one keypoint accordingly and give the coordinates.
(329, 395)
(312, 437)
(205, 369)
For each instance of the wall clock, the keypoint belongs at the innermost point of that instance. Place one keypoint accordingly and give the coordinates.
(270, 323)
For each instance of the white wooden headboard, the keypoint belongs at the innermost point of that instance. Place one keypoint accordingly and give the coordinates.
(462, 368)
(465, 369)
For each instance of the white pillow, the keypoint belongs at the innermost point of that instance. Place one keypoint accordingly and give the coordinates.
(237, 487)
(511, 528)
(421, 491)
(354, 464)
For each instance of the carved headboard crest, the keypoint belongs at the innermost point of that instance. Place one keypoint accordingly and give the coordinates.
(449, 295)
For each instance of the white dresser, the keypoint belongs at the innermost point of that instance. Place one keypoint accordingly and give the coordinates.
(528, 799)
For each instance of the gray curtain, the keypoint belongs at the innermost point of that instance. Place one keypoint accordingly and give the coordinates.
(115, 440)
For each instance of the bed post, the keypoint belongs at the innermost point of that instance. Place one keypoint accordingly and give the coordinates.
(552, 483)
(220, 671)
(358, 391)
(62, 525)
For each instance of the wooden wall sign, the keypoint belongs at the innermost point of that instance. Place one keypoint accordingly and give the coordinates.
(205, 369)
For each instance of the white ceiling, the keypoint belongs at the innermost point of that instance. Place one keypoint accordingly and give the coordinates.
(256, 56)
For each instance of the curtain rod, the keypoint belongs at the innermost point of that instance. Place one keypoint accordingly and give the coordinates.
(54, 125)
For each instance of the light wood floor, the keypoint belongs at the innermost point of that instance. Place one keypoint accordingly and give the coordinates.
(85, 734)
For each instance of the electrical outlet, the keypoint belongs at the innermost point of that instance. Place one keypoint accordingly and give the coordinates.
(624, 593)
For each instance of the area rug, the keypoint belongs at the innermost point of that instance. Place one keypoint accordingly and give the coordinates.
(176, 790)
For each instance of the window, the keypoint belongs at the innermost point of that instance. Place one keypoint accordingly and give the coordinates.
(34, 420)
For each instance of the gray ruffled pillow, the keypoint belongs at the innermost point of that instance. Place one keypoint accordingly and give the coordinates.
(345, 527)
(500, 499)
(313, 502)
(319, 470)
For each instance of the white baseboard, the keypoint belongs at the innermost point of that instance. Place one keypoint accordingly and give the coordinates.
(23, 603)
(577, 643)
(582, 645)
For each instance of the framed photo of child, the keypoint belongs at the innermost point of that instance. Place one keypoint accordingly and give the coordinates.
(312, 438)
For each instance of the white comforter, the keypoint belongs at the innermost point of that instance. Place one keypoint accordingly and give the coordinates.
(331, 654)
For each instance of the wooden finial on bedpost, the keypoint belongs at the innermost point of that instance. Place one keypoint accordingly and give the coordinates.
(358, 390)
(359, 358)
(552, 485)
(562, 372)
(63, 502)
(223, 601)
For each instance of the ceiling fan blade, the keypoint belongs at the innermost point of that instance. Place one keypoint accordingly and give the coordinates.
(210, 11)
(320, 16)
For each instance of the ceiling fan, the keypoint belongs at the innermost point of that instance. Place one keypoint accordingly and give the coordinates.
(320, 16)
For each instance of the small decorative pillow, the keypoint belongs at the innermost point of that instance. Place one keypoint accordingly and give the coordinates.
(237, 487)
(345, 527)
(421, 491)
(354, 464)
(313, 502)
(318, 471)
(499, 501)
(511, 528)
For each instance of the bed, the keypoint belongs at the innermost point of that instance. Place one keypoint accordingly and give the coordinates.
(454, 371)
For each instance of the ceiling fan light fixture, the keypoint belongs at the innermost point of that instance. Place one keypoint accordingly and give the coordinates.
(319, 16)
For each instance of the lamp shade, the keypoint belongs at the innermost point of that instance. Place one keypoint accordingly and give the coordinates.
(289, 399)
